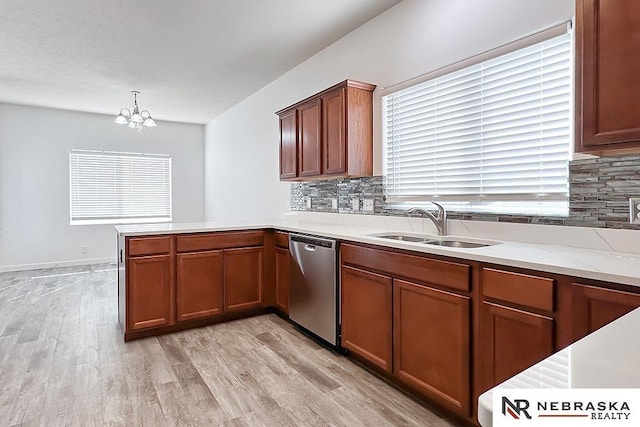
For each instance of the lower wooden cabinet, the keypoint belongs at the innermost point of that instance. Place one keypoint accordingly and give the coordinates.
(242, 278)
(199, 290)
(149, 292)
(282, 279)
(431, 334)
(511, 340)
(367, 316)
(595, 307)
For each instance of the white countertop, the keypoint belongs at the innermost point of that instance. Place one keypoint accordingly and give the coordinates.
(606, 265)
(605, 359)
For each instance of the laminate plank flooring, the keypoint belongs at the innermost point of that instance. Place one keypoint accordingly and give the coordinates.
(63, 362)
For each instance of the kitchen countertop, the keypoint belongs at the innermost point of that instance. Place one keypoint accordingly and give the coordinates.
(604, 359)
(609, 266)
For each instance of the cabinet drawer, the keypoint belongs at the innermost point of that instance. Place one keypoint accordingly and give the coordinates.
(444, 273)
(517, 288)
(282, 239)
(148, 245)
(210, 241)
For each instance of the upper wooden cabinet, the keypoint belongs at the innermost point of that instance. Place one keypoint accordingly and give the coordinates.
(333, 133)
(607, 76)
(309, 144)
(288, 141)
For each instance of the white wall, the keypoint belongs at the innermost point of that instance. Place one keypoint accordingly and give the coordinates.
(410, 39)
(34, 180)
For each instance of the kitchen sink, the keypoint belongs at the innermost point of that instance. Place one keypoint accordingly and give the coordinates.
(402, 237)
(457, 243)
(448, 242)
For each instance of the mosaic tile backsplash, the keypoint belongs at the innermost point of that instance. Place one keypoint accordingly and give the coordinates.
(599, 191)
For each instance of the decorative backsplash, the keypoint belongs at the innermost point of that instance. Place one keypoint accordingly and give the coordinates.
(599, 191)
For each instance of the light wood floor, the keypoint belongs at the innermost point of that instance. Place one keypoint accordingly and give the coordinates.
(63, 362)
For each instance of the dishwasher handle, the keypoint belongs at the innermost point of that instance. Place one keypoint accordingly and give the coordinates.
(309, 247)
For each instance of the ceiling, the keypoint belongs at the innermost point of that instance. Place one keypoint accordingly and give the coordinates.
(191, 59)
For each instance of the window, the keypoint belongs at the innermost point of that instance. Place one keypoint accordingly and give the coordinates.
(492, 134)
(110, 188)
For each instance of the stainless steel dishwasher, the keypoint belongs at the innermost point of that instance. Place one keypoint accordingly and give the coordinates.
(313, 291)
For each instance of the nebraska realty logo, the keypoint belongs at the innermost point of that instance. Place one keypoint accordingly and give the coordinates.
(566, 407)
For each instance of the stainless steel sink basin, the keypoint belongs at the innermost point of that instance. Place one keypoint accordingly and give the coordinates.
(457, 243)
(403, 237)
(448, 242)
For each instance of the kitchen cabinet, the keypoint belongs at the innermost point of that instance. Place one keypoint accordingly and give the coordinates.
(199, 291)
(512, 340)
(367, 315)
(288, 142)
(594, 307)
(150, 286)
(431, 342)
(334, 150)
(516, 324)
(607, 76)
(182, 281)
(242, 278)
(282, 279)
(410, 316)
(309, 143)
(334, 133)
(282, 271)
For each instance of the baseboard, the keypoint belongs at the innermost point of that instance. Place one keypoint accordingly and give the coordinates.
(21, 267)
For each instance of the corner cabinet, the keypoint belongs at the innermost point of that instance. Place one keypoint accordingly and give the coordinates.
(607, 76)
(329, 134)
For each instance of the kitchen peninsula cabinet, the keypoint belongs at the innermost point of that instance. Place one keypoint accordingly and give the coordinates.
(199, 290)
(150, 292)
(179, 281)
(594, 307)
(333, 132)
(242, 278)
(607, 76)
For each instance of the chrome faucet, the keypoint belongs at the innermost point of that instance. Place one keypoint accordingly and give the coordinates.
(440, 220)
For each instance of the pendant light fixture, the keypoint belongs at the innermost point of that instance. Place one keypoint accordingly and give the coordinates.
(135, 119)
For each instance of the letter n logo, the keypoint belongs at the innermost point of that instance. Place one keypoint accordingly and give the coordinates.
(516, 409)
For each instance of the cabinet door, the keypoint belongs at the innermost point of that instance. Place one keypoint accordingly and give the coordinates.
(242, 278)
(607, 75)
(511, 341)
(199, 285)
(149, 292)
(288, 145)
(595, 307)
(309, 144)
(366, 315)
(282, 279)
(431, 343)
(334, 148)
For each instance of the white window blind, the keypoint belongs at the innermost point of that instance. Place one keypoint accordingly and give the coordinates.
(498, 130)
(109, 187)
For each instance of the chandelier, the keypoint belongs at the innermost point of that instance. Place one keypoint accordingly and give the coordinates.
(135, 119)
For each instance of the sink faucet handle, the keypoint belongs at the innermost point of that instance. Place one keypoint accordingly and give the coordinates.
(442, 212)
